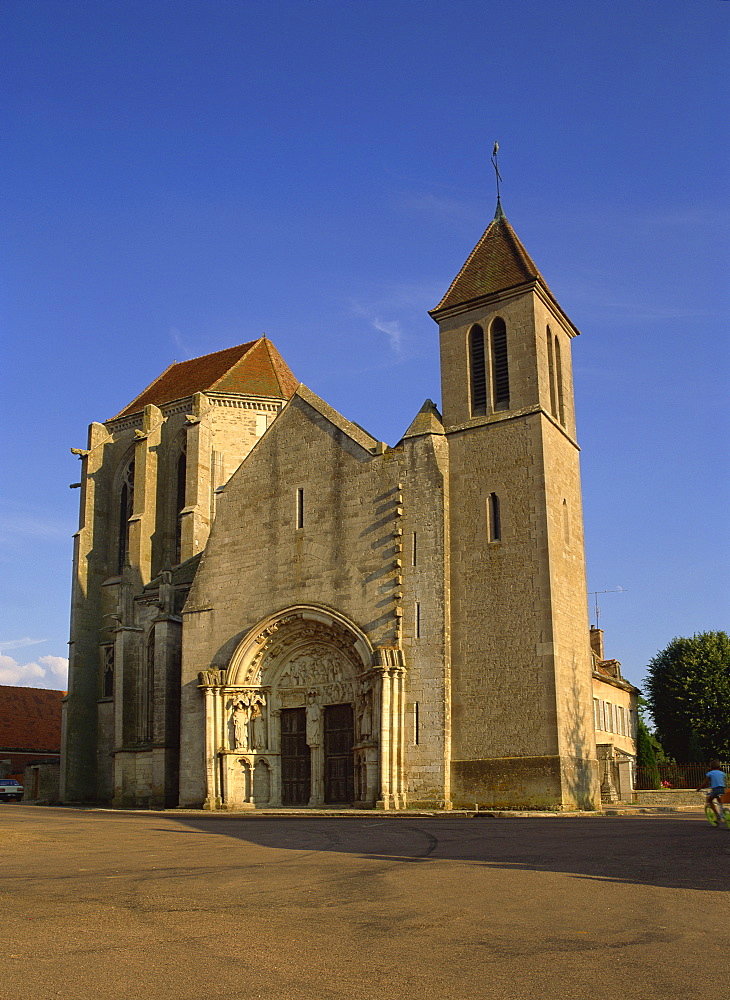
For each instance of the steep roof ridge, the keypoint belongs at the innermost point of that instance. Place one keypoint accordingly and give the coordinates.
(497, 263)
(358, 434)
(426, 421)
(153, 383)
(250, 346)
(209, 371)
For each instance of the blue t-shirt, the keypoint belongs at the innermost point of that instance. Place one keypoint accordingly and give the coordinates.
(717, 779)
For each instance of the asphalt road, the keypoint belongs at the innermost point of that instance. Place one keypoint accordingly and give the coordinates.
(154, 906)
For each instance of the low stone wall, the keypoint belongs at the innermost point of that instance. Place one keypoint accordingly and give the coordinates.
(667, 797)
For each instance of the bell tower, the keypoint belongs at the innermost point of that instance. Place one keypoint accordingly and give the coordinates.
(522, 728)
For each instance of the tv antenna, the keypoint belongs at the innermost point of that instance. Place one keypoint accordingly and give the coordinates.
(595, 593)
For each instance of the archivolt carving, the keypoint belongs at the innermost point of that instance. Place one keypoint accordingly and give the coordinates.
(270, 646)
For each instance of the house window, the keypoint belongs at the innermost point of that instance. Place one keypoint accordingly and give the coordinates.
(494, 518)
(596, 713)
(126, 508)
(477, 368)
(500, 367)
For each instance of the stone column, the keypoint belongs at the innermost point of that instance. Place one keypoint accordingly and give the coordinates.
(211, 754)
(274, 757)
(385, 799)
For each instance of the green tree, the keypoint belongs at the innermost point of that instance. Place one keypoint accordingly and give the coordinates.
(646, 758)
(688, 691)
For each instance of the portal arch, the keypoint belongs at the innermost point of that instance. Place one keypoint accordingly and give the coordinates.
(302, 692)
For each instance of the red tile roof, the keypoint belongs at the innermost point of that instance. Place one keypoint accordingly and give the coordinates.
(252, 369)
(497, 263)
(30, 719)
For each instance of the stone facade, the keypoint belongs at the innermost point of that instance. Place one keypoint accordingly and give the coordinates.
(297, 614)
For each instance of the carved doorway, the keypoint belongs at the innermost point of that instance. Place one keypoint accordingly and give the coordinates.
(295, 768)
(339, 768)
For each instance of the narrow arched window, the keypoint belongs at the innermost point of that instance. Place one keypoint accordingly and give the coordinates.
(182, 470)
(559, 375)
(107, 683)
(494, 520)
(500, 368)
(478, 372)
(551, 374)
(146, 704)
(126, 507)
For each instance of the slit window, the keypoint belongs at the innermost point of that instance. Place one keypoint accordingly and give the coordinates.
(500, 367)
(494, 518)
(478, 372)
(418, 620)
(416, 734)
(300, 507)
(414, 550)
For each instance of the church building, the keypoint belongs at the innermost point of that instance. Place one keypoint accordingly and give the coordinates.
(273, 608)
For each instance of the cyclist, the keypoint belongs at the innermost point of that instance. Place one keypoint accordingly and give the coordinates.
(715, 781)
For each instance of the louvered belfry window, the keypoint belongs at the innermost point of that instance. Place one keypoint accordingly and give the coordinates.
(478, 372)
(500, 369)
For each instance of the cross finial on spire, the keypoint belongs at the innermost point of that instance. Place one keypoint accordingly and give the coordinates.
(498, 214)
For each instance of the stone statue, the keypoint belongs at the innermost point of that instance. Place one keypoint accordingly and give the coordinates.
(258, 728)
(314, 717)
(366, 718)
(240, 720)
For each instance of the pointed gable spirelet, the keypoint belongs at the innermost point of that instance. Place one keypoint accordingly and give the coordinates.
(498, 264)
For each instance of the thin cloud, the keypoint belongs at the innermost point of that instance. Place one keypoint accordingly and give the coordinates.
(20, 524)
(45, 672)
(392, 330)
(20, 643)
(179, 341)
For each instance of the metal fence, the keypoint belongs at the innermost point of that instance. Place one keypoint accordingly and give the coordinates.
(673, 775)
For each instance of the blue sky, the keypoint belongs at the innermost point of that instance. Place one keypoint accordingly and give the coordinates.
(178, 177)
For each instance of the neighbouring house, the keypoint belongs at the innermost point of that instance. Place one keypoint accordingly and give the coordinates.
(30, 729)
(615, 718)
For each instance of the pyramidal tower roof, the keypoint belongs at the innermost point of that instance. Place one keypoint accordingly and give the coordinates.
(252, 369)
(427, 421)
(498, 263)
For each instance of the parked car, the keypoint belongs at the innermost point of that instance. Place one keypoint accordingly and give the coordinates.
(10, 789)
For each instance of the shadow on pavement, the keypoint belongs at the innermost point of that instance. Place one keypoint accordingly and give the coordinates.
(684, 853)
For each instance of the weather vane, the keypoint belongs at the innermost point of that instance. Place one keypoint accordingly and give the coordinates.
(499, 176)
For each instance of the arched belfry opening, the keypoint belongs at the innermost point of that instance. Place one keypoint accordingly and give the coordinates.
(306, 714)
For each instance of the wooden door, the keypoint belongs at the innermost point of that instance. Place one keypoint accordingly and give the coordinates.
(339, 737)
(295, 769)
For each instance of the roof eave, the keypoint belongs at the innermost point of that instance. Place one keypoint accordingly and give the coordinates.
(537, 285)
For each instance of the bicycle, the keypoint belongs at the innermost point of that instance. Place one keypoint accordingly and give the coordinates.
(712, 817)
